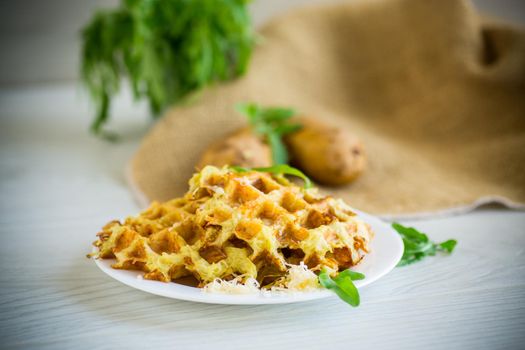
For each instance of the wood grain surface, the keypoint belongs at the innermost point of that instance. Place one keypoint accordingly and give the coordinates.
(58, 185)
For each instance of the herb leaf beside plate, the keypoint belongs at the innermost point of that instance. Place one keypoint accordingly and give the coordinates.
(418, 245)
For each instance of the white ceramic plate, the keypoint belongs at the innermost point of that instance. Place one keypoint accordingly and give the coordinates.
(386, 251)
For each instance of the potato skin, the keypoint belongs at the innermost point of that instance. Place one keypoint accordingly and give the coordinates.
(330, 155)
(243, 148)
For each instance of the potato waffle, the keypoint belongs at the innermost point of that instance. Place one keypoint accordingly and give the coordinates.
(231, 224)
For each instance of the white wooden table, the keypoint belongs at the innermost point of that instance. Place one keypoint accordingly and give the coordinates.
(58, 185)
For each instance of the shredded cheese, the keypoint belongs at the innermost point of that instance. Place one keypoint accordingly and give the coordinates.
(234, 286)
(298, 279)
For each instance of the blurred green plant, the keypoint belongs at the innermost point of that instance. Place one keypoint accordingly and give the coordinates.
(166, 48)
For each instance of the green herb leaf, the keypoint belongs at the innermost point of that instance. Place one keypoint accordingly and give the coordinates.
(238, 169)
(250, 110)
(272, 123)
(448, 246)
(279, 152)
(354, 276)
(287, 129)
(167, 49)
(276, 114)
(280, 170)
(418, 246)
(342, 285)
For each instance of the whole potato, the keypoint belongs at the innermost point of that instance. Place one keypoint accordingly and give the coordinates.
(328, 154)
(243, 148)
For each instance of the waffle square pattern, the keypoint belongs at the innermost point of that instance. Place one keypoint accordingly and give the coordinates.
(247, 227)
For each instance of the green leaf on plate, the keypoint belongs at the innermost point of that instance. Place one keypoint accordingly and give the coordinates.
(342, 285)
(281, 169)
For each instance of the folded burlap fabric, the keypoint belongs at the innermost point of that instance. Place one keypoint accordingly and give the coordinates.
(435, 92)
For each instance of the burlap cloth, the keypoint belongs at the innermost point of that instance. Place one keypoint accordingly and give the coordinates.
(436, 93)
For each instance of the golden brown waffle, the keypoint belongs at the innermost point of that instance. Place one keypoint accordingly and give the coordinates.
(230, 224)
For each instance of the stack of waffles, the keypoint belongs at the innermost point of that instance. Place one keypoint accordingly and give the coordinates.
(237, 224)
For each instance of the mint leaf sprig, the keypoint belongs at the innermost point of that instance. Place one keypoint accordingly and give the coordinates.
(342, 285)
(418, 245)
(272, 123)
(282, 169)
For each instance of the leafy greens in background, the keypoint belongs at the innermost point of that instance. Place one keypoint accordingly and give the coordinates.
(272, 123)
(417, 245)
(167, 49)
